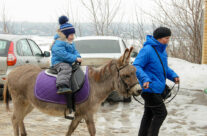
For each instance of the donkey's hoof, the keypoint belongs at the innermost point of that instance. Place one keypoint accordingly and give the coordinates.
(24, 134)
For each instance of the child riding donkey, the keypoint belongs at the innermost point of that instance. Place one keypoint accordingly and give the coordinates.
(64, 54)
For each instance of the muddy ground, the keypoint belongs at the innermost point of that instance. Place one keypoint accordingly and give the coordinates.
(187, 116)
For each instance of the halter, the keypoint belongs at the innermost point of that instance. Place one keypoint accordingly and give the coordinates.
(126, 86)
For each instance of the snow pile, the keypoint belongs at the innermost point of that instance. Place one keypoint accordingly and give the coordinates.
(192, 76)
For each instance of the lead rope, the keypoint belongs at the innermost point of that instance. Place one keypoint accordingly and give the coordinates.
(163, 100)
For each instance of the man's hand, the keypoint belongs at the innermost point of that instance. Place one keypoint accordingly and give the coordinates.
(146, 85)
(177, 80)
(79, 59)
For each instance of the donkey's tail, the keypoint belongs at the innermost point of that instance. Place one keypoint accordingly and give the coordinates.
(6, 95)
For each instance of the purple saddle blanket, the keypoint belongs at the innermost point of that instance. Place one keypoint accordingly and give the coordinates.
(45, 90)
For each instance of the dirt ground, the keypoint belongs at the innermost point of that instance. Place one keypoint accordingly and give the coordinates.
(187, 116)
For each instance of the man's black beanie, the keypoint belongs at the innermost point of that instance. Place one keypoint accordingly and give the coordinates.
(161, 32)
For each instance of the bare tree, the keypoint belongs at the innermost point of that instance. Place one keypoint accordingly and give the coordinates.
(137, 31)
(70, 12)
(140, 27)
(185, 18)
(7, 24)
(102, 14)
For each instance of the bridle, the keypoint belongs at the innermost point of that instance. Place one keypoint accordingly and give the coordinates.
(126, 86)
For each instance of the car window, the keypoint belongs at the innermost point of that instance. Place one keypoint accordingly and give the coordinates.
(36, 50)
(4, 46)
(23, 48)
(98, 46)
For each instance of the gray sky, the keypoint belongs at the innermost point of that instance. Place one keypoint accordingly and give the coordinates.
(49, 10)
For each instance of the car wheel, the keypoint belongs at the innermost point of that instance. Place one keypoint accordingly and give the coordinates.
(115, 97)
(129, 99)
(1, 93)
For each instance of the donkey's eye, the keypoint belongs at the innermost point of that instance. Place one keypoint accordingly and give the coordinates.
(127, 76)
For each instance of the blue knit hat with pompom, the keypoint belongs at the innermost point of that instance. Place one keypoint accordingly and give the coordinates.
(66, 27)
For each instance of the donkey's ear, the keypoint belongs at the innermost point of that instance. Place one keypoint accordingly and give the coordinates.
(130, 51)
(123, 58)
(128, 56)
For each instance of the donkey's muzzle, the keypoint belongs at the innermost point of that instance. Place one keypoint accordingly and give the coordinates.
(135, 89)
(137, 93)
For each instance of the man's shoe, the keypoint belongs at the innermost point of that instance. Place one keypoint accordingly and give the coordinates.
(64, 90)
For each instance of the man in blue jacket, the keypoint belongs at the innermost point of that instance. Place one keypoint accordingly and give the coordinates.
(64, 54)
(151, 76)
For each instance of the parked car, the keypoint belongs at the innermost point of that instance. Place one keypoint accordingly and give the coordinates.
(98, 50)
(19, 50)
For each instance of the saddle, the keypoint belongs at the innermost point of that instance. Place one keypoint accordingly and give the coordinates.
(77, 78)
(77, 81)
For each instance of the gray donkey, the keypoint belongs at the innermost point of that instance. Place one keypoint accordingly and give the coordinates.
(118, 75)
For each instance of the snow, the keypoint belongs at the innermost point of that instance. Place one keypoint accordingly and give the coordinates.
(187, 115)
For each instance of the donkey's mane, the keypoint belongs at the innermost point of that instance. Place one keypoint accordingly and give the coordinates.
(102, 71)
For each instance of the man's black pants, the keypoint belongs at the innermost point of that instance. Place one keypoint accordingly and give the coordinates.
(154, 114)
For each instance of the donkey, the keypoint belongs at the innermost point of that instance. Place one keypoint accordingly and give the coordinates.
(118, 75)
